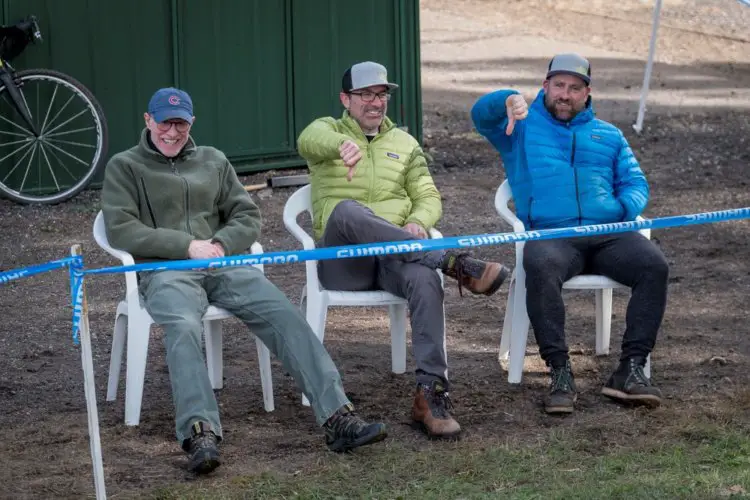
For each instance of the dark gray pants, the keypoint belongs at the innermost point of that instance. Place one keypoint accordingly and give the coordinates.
(628, 258)
(411, 276)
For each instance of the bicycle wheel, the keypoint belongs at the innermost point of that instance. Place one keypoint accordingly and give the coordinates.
(71, 144)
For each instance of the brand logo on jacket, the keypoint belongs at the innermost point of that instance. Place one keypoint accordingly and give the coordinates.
(393, 155)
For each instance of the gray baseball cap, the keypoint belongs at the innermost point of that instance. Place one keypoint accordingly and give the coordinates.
(366, 74)
(570, 64)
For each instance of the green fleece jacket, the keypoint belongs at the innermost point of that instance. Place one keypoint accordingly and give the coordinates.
(155, 206)
(392, 178)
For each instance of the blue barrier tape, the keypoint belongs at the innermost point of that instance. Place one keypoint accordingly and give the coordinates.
(745, 2)
(25, 272)
(395, 247)
(76, 294)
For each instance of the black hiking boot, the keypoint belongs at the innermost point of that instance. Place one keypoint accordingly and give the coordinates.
(346, 431)
(629, 384)
(478, 276)
(562, 390)
(202, 448)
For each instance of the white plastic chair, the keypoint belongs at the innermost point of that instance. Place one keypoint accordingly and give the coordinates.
(133, 321)
(318, 299)
(516, 323)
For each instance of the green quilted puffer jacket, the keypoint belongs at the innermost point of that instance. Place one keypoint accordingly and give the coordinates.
(392, 178)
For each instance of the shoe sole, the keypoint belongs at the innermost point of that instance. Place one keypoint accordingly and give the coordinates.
(558, 409)
(498, 281)
(420, 426)
(341, 446)
(642, 399)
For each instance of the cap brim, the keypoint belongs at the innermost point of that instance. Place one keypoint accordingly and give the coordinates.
(586, 79)
(171, 114)
(390, 86)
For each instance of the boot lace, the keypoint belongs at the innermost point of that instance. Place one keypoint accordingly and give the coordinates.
(439, 402)
(561, 380)
(637, 376)
(349, 425)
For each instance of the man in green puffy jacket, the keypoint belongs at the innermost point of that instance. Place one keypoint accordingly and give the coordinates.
(370, 183)
(168, 199)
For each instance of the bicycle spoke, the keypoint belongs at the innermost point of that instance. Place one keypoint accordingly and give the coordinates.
(26, 104)
(61, 109)
(15, 151)
(57, 134)
(28, 167)
(28, 132)
(16, 134)
(49, 165)
(14, 142)
(16, 165)
(69, 120)
(66, 153)
(46, 139)
(62, 164)
(49, 108)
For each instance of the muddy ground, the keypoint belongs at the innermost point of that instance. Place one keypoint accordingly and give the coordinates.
(694, 151)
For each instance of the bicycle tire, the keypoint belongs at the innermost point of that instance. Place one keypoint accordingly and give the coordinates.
(102, 131)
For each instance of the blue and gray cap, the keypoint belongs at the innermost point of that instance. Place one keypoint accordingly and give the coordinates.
(366, 74)
(170, 103)
(570, 64)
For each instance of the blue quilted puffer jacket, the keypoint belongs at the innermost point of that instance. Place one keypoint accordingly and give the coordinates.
(563, 174)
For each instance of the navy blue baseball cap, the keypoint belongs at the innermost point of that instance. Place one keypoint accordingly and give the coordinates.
(170, 103)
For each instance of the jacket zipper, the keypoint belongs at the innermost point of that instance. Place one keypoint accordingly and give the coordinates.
(187, 196)
(372, 173)
(575, 173)
(148, 203)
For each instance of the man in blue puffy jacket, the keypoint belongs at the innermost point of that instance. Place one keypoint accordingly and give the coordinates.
(568, 168)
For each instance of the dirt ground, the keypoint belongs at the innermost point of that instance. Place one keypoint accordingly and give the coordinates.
(693, 150)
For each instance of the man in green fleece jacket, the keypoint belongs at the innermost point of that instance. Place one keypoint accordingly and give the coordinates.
(168, 199)
(370, 183)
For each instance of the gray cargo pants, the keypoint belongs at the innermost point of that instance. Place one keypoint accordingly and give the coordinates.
(177, 300)
(408, 275)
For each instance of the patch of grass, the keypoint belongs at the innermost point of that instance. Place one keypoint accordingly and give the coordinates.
(715, 465)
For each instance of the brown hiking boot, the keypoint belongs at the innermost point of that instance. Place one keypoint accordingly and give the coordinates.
(430, 412)
(478, 276)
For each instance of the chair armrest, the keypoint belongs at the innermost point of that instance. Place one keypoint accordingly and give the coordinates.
(508, 216)
(300, 234)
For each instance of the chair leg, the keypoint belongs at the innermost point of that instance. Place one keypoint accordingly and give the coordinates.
(520, 330)
(214, 333)
(603, 320)
(139, 326)
(507, 322)
(266, 380)
(316, 313)
(115, 357)
(397, 313)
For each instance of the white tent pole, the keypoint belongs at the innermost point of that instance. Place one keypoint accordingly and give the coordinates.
(87, 361)
(638, 126)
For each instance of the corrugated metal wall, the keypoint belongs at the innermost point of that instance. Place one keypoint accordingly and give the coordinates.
(258, 70)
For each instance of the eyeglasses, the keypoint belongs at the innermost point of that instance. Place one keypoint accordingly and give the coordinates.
(368, 96)
(180, 125)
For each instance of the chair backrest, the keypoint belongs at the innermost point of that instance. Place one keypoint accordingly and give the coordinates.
(100, 236)
(299, 202)
(503, 195)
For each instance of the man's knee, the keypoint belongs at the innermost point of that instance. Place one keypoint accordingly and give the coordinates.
(540, 260)
(348, 211)
(655, 265)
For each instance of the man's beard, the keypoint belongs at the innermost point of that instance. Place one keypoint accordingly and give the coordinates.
(572, 112)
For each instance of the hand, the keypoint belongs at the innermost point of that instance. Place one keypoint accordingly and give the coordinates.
(350, 154)
(219, 248)
(204, 249)
(416, 230)
(517, 109)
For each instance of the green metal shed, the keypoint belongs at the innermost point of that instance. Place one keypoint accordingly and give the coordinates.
(258, 70)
